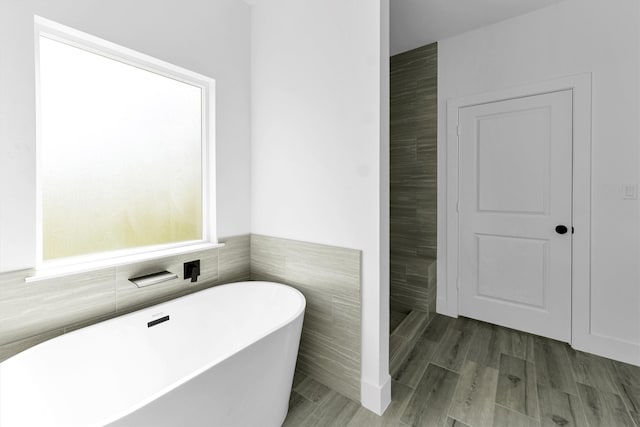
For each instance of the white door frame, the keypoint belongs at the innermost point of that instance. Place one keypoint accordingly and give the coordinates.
(448, 196)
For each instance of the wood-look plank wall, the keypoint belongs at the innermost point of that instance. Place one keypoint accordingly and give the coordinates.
(31, 313)
(413, 172)
(329, 278)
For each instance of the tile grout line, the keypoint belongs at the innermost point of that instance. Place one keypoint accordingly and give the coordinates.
(455, 390)
(518, 412)
(575, 382)
(475, 330)
(573, 372)
(473, 335)
(533, 341)
(413, 390)
(316, 405)
(535, 388)
(535, 377)
(537, 413)
(442, 367)
(466, 354)
(460, 421)
(616, 383)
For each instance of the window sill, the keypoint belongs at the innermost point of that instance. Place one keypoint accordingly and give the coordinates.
(68, 270)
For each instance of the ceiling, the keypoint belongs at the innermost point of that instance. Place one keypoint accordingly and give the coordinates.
(415, 23)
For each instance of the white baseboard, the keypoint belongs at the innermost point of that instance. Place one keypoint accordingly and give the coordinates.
(376, 398)
(611, 348)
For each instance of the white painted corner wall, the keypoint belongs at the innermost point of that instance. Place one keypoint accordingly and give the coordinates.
(317, 169)
(215, 42)
(570, 38)
(320, 145)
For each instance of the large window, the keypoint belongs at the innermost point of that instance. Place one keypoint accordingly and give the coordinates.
(123, 152)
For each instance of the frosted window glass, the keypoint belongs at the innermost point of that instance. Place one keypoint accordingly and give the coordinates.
(121, 155)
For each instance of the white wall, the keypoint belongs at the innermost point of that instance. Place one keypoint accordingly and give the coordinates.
(318, 94)
(209, 37)
(575, 36)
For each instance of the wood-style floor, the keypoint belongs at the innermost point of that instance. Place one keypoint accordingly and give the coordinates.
(468, 373)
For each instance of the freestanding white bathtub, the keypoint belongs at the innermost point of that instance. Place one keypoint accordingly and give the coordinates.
(224, 356)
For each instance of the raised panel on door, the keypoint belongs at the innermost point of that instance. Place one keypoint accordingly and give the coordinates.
(513, 144)
(526, 260)
(515, 188)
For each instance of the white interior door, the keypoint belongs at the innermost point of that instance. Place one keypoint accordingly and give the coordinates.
(515, 190)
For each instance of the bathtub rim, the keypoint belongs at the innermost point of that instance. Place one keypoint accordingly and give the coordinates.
(299, 312)
(209, 365)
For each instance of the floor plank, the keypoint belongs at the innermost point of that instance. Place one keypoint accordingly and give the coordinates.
(395, 318)
(312, 389)
(604, 409)
(553, 368)
(517, 386)
(298, 377)
(336, 411)
(475, 395)
(399, 349)
(430, 402)
(486, 347)
(300, 409)
(437, 328)
(413, 325)
(627, 379)
(490, 341)
(559, 409)
(504, 417)
(454, 423)
(592, 370)
(504, 378)
(455, 344)
(410, 372)
(517, 343)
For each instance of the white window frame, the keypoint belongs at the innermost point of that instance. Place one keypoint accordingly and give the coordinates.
(72, 37)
